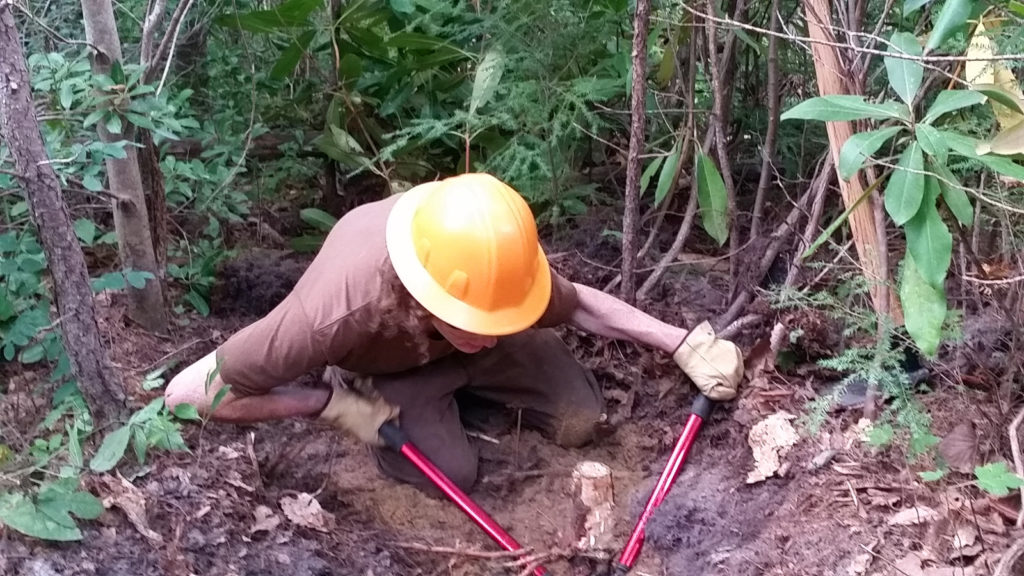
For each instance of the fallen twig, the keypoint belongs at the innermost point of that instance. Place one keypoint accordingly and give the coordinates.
(1018, 463)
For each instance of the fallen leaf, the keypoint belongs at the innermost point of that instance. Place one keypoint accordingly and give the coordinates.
(859, 565)
(123, 494)
(266, 520)
(227, 453)
(915, 515)
(909, 565)
(960, 448)
(305, 511)
(770, 440)
(965, 536)
(235, 480)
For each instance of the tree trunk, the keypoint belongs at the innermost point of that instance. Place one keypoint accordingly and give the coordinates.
(636, 147)
(830, 72)
(135, 244)
(90, 363)
(768, 152)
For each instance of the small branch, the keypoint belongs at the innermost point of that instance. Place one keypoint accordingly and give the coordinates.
(1018, 462)
(467, 552)
(174, 42)
(165, 44)
(845, 46)
(773, 124)
(1009, 561)
(53, 32)
(154, 17)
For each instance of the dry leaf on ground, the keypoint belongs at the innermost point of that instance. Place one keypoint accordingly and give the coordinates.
(960, 448)
(305, 511)
(123, 494)
(266, 520)
(915, 515)
(770, 440)
(909, 565)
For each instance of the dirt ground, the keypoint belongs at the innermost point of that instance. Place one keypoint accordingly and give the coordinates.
(223, 509)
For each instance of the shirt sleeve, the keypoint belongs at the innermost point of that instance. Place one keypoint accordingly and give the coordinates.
(563, 303)
(271, 352)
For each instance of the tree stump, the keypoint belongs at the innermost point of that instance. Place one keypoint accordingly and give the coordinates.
(593, 503)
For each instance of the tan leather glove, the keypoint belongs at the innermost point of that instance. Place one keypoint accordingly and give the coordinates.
(358, 415)
(714, 365)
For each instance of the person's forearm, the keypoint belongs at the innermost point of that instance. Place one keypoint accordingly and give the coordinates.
(605, 315)
(278, 404)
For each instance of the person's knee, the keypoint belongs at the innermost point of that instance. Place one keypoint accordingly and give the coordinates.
(577, 426)
(461, 467)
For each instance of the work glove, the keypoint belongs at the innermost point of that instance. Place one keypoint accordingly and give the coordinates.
(714, 365)
(359, 415)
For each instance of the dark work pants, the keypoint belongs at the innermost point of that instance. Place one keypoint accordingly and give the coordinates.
(532, 370)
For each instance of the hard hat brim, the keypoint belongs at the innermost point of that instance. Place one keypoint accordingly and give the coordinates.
(432, 296)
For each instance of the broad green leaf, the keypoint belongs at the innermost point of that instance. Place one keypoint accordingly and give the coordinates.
(711, 197)
(140, 444)
(219, 397)
(349, 70)
(955, 198)
(86, 230)
(58, 502)
(932, 475)
(997, 479)
(668, 172)
(929, 240)
(931, 142)
(952, 16)
(92, 183)
(137, 278)
(111, 450)
(318, 219)
(114, 124)
(911, 6)
(402, 6)
(967, 147)
(291, 55)
(905, 188)
(904, 75)
(198, 302)
(66, 95)
(1000, 95)
(645, 178)
(186, 412)
(32, 354)
(1009, 141)
(950, 100)
(860, 147)
(109, 281)
(924, 308)
(75, 446)
(487, 79)
(149, 412)
(1016, 7)
(843, 107)
(290, 14)
(19, 513)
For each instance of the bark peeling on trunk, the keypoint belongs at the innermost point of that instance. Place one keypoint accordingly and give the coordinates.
(90, 362)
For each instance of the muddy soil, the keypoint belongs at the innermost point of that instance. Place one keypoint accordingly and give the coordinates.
(219, 509)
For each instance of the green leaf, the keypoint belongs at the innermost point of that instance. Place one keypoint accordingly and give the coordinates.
(860, 147)
(86, 230)
(1000, 95)
(93, 117)
(711, 197)
(967, 147)
(117, 73)
(932, 475)
(306, 244)
(219, 397)
(1017, 7)
(290, 14)
(402, 6)
(904, 75)
(137, 278)
(198, 302)
(58, 500)
(67, 95)
(92, 183)
(924, 308)
(32, 354)
(186, 412)
(111, 450)
(843, 107)
(996, 479)
(416, 41)
(929, 240)
(148, 412)
(911, 6)
(952, 16)
(931, 142)
(114, 124)
(318, 219)
(74, 446)
(880, 435)
(668, 173)
(950, 100)
(19, 513)
(291, 55)
(349, 70)
(905, 188)
(645, 178)
(955, 198)
(487, 78)
(109, 281)
(140, 444)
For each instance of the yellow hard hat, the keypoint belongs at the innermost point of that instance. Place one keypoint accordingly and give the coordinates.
(466, 248)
